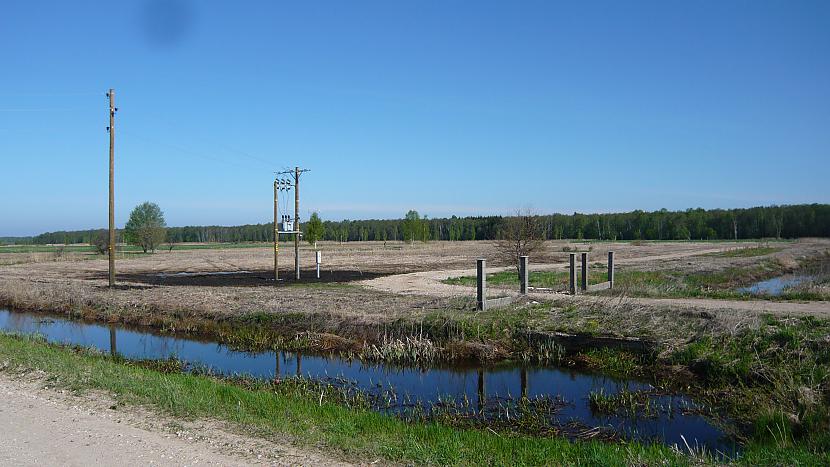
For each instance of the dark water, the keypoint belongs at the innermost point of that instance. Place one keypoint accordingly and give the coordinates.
(482, 385)
(774, 286)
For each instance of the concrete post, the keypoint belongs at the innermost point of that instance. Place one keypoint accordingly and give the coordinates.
(583, 284)
(572, 279)
(481, 284)
(523, 275)
(610, 269)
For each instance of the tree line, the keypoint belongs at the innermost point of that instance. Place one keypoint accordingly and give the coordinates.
(793, 221)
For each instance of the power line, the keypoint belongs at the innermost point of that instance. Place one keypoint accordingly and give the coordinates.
(187, 151)
(296, 225)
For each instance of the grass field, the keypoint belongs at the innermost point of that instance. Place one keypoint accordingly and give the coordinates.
(123, 247)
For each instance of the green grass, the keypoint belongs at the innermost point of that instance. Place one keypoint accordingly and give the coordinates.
(723, 284)
(294, 412)
(625, 401)
(775, 378)
(124, 248)
(665, 283)
(50, 248)
(746, 252)
(352, 433)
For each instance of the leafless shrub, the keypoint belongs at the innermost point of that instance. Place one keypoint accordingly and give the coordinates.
(520, 236)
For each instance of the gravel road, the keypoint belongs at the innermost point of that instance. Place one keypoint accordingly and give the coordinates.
(430, 283)
(51, 427)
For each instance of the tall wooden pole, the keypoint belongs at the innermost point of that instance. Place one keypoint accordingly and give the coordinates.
(111, 247)
(297, 222)
(276, 234)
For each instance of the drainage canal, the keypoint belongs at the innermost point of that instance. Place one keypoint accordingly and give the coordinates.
(486, 391)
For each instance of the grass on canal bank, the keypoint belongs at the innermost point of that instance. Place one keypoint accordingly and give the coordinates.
(354, 434)
(670, 283)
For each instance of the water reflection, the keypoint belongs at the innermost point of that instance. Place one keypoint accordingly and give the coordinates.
(484, 384)
(775, 286)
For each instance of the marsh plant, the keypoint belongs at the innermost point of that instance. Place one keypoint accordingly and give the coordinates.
(410, 349)
(625, 402)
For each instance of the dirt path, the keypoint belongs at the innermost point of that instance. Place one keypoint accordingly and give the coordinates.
(50, 427)
(430, 283)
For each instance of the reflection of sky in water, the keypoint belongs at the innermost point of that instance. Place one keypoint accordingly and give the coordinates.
(425, 385)
(775, 286)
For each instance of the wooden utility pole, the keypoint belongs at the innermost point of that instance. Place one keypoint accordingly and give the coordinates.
(276, 238)
(296, 231)
(297, 222)
(111, 247)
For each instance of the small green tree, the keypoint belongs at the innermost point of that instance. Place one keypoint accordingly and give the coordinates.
(411, 226)
(314, 229)
(146, 227)
(101, 241)
(424, 229)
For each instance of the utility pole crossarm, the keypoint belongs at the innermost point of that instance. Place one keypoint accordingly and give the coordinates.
(283, 184)
(296, 172)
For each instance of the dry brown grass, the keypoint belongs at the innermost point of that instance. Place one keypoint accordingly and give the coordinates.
(670, 327)
(341, 308)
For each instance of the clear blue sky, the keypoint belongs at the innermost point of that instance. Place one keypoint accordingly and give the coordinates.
(446, 107)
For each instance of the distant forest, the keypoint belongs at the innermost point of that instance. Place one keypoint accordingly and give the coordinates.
(806, 220)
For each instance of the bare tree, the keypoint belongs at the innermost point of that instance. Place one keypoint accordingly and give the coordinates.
(520, 236)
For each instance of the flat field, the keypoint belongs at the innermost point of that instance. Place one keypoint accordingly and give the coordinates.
(377, 282)
(759, 360)
(366, 287)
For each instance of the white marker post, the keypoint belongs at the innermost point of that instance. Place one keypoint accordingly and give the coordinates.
(319, 260)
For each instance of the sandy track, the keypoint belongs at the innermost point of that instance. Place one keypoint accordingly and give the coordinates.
(430, 283)
(48, 427)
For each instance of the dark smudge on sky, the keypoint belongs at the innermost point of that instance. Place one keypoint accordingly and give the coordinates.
(165, 23)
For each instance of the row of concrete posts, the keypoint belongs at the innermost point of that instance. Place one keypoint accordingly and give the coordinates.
(482, 303)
